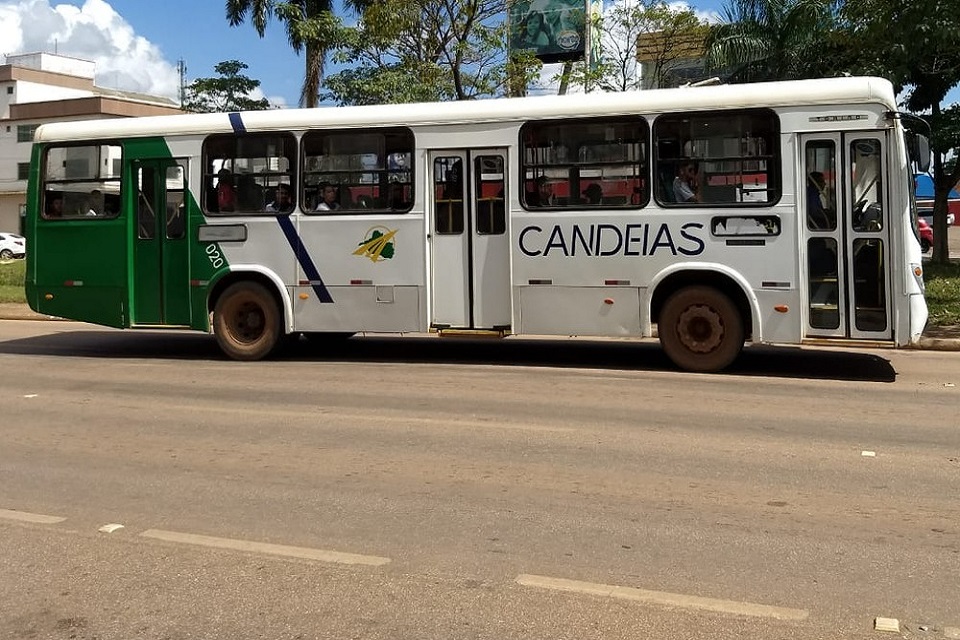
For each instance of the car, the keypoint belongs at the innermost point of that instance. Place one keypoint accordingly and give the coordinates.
(12, 246)
(927, 214)
(926, 234)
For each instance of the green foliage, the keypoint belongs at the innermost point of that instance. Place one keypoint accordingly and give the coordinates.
(762, 40)
(11, 281)
(311, 28)
(943, 293)
(415, 50)
(229, 92)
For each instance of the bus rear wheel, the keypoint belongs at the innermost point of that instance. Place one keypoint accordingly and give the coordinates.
(700, 329)
(246, 321)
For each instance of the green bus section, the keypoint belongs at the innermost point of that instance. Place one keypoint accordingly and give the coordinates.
(138, 265)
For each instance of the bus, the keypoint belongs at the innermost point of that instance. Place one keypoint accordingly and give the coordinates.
(546, 215)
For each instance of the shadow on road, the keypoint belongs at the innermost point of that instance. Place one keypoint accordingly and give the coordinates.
(781, 362)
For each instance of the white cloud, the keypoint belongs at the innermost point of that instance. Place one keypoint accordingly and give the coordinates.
(94, 32)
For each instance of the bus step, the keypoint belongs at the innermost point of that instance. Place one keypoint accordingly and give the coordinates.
(447, 332)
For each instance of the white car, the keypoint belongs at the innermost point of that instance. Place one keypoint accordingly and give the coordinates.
(12, 246)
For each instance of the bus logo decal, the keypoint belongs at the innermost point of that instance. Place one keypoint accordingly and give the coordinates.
(378, 245)
(306, 263)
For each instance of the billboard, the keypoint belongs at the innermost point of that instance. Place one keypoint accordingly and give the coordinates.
(555, 30)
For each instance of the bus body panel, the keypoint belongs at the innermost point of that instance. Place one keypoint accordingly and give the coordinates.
(574, 271)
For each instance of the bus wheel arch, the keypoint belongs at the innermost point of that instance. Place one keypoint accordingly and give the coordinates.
(703, 319)
(247, 316)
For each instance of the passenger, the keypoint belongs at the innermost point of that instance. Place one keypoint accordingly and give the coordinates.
(54, 204)
(226, 194)
(328, 195)
(95, 203)
(593, 194)
(543, 196)
(816, 212)
(686, 186)
(282, 202)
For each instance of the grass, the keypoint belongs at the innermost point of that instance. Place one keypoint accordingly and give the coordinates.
(943, 289)
(943, 293)
(11, 281)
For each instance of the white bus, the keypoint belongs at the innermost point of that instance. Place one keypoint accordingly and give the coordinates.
(710, 216)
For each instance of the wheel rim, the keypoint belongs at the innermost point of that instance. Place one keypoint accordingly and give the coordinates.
(246, 322)
(700, 329)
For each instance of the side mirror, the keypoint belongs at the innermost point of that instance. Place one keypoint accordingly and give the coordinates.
(919, 150)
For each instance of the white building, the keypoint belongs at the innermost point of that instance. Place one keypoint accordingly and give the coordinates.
(36, 88)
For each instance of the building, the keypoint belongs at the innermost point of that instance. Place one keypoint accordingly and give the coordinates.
(42, 87)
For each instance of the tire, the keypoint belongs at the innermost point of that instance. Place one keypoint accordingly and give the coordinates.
(701, 329)
(6, 254)
(924, 245)
(246, 321)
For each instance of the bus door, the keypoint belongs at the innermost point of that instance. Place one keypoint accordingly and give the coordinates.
(846, 234)
(469, 243)
(161, 285)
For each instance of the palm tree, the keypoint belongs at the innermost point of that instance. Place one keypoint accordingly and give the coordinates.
(773, 39)
(311, 28)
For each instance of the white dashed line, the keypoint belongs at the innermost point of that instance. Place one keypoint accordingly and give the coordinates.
(23, 516)
(664, 598)
(264, 547)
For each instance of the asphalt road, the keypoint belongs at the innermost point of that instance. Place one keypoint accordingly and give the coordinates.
(439, 489)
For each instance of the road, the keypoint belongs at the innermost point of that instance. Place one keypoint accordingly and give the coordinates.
(443, 489)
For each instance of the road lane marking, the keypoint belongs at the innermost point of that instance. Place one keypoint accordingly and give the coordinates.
(24, 516)
(663, 598)
(263, 547)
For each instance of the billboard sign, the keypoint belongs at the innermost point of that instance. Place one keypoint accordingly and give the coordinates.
(555, 30)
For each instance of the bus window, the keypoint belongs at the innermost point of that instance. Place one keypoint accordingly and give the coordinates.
(820, 167)
(256, 166)
(736, 155)
(82, 181)
(371, 170)
(596, 162)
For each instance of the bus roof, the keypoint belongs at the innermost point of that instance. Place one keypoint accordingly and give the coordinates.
(762, 94)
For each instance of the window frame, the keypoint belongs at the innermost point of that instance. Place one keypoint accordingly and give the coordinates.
(575, 165)
(772, 156)
(208, 188)
(408, 188)
(91, 182)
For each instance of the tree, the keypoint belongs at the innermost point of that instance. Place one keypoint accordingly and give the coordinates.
(311, 28)
(653, 33)
(915, 45)
(426, 50)
(762, 40)
(229, 92)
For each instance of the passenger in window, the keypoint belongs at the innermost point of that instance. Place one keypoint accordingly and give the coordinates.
(816, 211)
(543, 196)
(226, 194)
(54, 205)
(686, 186)
(282, 202)
(328, 198)
(593, 194)
(95, 203)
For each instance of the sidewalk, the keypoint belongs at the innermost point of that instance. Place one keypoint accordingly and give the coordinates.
(934, 338)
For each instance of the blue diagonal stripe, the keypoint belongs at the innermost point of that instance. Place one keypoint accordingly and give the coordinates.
(306, 263)
(237, 123)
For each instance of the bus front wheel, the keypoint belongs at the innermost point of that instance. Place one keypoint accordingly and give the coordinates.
(246, 321)
(700, 329)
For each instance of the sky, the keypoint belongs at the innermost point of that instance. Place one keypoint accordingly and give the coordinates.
(136, 44)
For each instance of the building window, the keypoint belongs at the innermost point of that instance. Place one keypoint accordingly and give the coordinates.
(23, 170)
(9, 91)
(25, 132)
